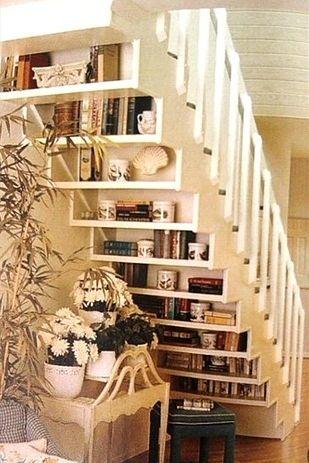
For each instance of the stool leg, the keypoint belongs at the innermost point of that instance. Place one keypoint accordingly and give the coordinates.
(229, 447)
(153, 456)
(175, 448)
(204, 449)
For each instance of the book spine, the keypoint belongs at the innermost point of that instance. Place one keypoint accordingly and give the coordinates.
(130, 115)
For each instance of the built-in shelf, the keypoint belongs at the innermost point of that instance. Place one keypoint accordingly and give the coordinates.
(133, 225)
(201, 351)
(209, 376)
(194, 325)
(232, 399)
(151, 261)
(49, 95)
(183, 295)
(132, 185)
(116, 139)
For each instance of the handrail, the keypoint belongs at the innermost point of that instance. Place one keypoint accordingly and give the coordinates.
(240, 163)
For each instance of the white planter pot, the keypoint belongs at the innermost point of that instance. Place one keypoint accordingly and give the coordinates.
(66, 382)
(101, 368)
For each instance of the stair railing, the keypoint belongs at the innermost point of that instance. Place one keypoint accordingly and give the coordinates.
(210, 73)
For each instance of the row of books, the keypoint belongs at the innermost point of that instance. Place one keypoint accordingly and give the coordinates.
(205, 285)
(222, 388)
(113, 116)
(133, 274)
(234, 342)
(179, 309)
(179, 336)
(172, 244)
(120, 248)
(211, 364)
(17, 70)
(104, 64)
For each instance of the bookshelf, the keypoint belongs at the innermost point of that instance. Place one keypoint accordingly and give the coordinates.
(172, 180)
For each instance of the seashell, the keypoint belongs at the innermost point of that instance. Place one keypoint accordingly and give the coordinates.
(150, 159)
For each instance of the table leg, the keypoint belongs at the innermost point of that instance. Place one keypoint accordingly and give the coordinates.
(175, 448)
(204, 449)
(229, 447)
(154, 437)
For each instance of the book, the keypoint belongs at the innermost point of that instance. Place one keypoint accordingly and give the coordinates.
(108, 62)
(31, 61)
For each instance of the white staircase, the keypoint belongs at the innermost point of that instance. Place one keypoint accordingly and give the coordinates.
(187, 62)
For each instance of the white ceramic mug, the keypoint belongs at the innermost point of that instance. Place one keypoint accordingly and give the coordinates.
(145, 248)
(163, 211)
(167, 279)
(119, 170)
(107, 210)
(146, 122)
(197, 311)
(197, 251)
(209, 340)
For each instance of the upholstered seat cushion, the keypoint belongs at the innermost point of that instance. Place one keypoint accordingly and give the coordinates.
(19, 423)
(217, 415)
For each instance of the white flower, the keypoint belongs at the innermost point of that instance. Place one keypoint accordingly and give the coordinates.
(81, 352)
(65, 312)
(78, 330)
(59, 346)
(89, 333)
(93, 352)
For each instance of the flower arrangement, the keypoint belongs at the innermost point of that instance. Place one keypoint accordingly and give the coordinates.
(110, 339)
(137, 330)
(73, 341)
(102, 290)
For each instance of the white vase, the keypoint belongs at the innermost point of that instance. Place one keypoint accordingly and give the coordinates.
(101, 368)
(66, 382)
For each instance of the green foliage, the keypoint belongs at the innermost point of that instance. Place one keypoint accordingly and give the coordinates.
(110, 339)
(27, 265)
(137, 329)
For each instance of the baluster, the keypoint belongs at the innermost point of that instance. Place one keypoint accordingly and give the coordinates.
(288, 320)
(220, 15)
(300, 359)
(244, 173)
(281, 296)
(295, 338)
(193, 31)
(202, 59)
(274, 271)
(173, 33)
(255, 208)
(264, 239)
(232, 133)
(181, 53)
(161, 27)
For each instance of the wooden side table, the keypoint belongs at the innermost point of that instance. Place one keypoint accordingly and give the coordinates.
(134, 384)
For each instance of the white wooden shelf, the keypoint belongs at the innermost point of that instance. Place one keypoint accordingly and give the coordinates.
(132, 185)
(221, 399)
(151, 261)
(117, 139)
(183, 295)
(195, 325)
(209, 376)
(133, 225)
(201, 351)
(111, 89)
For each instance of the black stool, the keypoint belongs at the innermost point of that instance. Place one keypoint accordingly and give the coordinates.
(192, 423)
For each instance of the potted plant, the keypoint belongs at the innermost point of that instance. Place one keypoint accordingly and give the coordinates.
(110, 343)
(68, 351)
(138, 330)
(99, 293)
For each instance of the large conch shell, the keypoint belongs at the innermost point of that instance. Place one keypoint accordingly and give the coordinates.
(150, 159)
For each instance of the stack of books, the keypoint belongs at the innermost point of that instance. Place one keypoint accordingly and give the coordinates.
(120, 248)
(219, 318)
(178, 360)
(179, 336)
(172, 244)
(231, 341)
(18, 70)
(206, 285)
(134, 211)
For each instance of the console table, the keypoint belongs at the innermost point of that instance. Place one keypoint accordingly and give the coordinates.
(134, 384)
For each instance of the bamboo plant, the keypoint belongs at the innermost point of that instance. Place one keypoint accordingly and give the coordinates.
(28, 264)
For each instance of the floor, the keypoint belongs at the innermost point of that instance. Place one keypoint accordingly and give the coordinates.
(253, 450)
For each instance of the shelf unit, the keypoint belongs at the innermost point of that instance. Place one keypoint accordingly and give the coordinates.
(134, 87)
